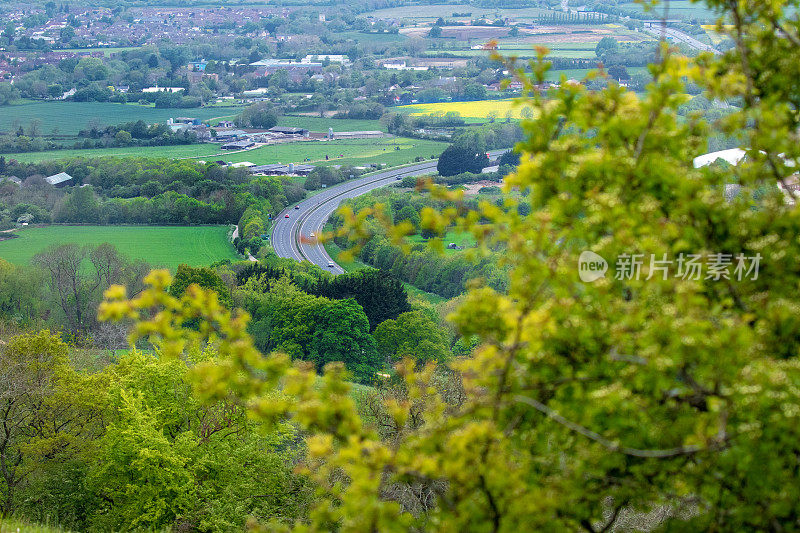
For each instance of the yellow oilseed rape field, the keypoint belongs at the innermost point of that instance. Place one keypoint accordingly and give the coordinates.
(482, 109)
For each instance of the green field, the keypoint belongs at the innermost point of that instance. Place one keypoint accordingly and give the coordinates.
(678, 9)
(355, 152)
(68, 118)
(180, 151)
(161, 246)
(462, 239)
(322, 124)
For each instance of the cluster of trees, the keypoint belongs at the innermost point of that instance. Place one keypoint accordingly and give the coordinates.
(62, 288)
(461, 179)
(94, 78)
(404, 125)
(8, 93)
(136, 133)
(177, 99)
(468, 153)
(82, 205)
(141, 191)
(425, 269)
(369, 110)
(381, 297)
(422, 267)
(253, 226)
(261, 115)
(328, 176)
(19, 142)
(461, 158)
(362, 319)
(310, 328)
(612, 53)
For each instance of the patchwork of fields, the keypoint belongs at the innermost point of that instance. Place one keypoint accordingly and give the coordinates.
(565, 41)
(432, 12)
(161, 246)
(683, 9)
(677, 9)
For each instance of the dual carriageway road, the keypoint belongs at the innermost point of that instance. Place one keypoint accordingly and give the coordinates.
(291, 236)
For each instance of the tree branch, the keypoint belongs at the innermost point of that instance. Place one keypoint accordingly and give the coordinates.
(606, 443)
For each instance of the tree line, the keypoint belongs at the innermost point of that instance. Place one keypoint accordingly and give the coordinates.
(140, 191)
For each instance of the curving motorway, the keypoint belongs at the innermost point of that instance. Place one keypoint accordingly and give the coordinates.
(310, 215)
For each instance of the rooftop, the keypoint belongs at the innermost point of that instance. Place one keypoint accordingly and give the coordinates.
(55, 179)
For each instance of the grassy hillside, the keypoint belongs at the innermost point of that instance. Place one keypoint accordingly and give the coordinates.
(164, 246)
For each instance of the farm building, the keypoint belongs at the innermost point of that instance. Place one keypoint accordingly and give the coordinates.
(356, 134)
(59, 180)
(158, 89)
(333, 58)
(290, 131)
(281, 170)
(184, 120)
(230, 135)
(238, 145)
